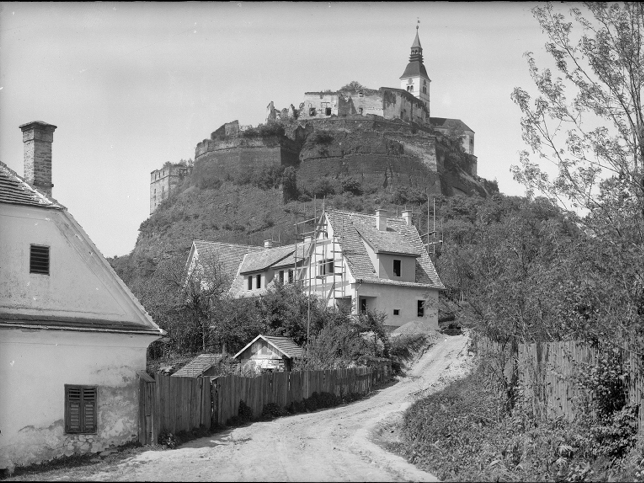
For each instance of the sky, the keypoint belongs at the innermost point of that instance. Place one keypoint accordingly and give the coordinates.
(133, 85)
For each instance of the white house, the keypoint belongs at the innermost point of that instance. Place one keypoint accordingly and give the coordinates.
(248, 270)
(72, 335)
(376, 263)
(364, 262)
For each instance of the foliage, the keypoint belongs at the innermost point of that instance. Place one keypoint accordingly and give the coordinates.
(595, 137)
(462, 433)
(344, 340)
(403, 348)
(244, 415)
(323, 187)
(269, 129)
(352, 185)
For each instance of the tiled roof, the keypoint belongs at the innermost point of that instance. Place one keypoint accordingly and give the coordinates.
(289, 261)
(226, 257)
(449, 123)
(261, 260)
(348, 227)
(15, 190)
(388, 241)
(198, 365)
(284, 344)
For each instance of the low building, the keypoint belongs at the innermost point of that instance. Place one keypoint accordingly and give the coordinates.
(269, 353)
(72, 336)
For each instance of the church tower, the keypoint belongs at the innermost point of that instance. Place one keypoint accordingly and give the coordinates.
(415, 79)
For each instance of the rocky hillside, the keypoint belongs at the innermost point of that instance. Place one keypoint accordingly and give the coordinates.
(356, 164)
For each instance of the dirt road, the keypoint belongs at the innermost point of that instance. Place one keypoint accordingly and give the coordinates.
(330, 445)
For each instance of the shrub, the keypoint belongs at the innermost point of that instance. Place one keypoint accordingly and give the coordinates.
(245, 415)
(272, 410)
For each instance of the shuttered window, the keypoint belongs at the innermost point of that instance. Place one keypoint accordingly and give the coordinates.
(39, 259)
(80, 409)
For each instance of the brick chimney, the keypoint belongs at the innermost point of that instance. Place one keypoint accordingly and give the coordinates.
(38, 136)
(407, 216)
(381, 220)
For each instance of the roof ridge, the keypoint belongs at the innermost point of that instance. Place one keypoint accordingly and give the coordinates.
(41, 198)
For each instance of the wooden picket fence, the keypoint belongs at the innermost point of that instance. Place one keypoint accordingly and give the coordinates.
(174, 404)
(547, 370)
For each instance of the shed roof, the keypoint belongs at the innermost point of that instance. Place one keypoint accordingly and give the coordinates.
(284, 345)
(198, 365)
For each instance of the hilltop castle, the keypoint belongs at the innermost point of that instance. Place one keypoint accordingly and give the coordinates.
(383, 136)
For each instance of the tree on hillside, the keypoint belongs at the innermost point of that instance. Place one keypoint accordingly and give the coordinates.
(596, 140)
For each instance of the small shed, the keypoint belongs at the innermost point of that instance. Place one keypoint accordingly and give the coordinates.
(203, 365)
(269, 353)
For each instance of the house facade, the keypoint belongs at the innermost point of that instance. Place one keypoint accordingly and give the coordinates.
(355, 261)
(373, 263)
(72, 336)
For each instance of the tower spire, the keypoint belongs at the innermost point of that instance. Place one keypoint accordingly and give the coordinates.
(415, 79)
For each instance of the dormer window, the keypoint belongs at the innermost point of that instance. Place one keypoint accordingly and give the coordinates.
(397, 268)
(39, 259)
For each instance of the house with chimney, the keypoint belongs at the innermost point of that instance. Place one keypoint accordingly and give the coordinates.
(352, 260)
(373, 263)
(73, 338)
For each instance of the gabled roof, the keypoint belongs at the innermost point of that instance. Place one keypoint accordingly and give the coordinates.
(15, 190)
(446, 123)
(198, 365)
(284, 345)
(352, 228)
(261, 260)
(226, 257)
(120, 312)
(388, 241)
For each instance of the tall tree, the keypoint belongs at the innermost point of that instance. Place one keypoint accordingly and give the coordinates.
(600, 130)
(596, 140)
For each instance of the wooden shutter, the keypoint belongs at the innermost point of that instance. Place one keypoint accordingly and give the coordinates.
(73, 419)
(80, 409)
(89, 410)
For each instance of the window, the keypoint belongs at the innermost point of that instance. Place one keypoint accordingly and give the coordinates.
(290, 276)
(80, 409)
(424, 90)
(421, 308)
(360, 110)
(326, 267)
(258, 279)
(250, 283)
(39, 259)
(281, 276)
(311, 111)
(396, 311)
(363, 305)
(397, 269)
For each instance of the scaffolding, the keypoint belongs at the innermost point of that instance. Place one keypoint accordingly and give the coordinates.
(318, 264)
